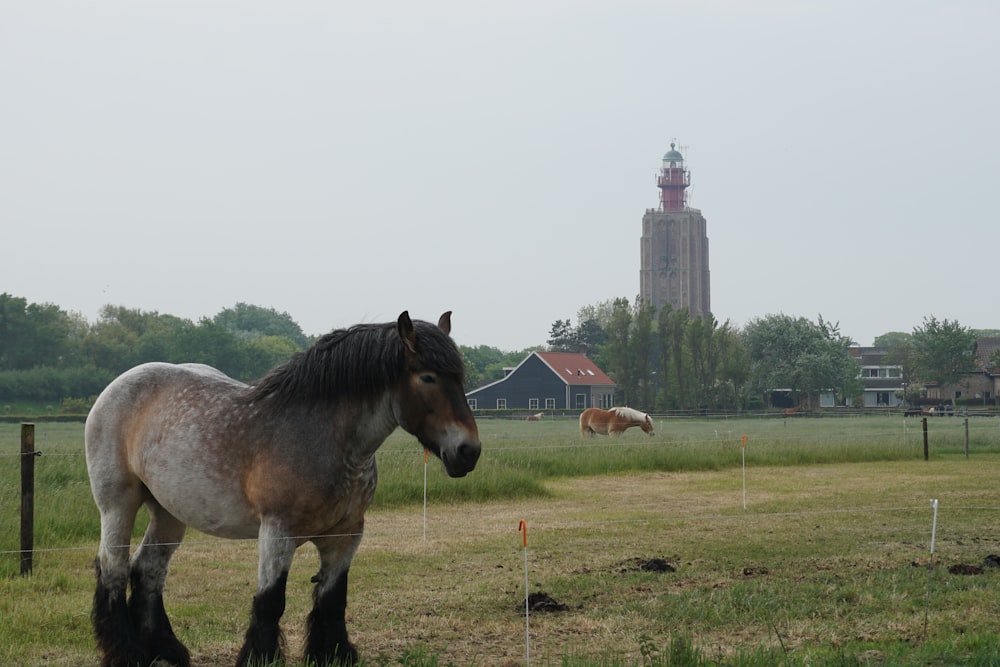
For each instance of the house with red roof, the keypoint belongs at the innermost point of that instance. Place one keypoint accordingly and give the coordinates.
(547, 381)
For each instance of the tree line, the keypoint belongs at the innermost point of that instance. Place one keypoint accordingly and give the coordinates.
(668, 360)
(50, 355)
(661, 361)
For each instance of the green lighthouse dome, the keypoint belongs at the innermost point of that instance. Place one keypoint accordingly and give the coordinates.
(673, 155)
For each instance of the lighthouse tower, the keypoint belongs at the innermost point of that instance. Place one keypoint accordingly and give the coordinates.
(674, 245)
(673, 181)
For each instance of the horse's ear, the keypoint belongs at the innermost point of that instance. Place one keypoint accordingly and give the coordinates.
(406, 333)
(444, 322)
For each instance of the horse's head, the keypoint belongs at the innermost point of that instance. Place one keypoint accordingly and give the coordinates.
(430, 402)
(647, 425)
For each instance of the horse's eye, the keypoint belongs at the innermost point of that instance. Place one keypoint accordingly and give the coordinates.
(427, 378)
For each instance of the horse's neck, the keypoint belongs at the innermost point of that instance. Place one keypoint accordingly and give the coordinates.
(353, 431)
(364, 427)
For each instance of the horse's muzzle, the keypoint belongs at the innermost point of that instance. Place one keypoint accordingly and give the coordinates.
(462, 460)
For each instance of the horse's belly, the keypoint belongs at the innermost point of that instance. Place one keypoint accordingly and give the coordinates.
(217, 511)
(203, 503)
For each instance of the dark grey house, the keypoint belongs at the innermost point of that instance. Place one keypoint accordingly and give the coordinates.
(547, 381)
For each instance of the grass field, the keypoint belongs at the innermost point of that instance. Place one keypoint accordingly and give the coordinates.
(822, 556)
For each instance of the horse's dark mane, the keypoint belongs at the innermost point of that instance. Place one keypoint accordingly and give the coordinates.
(360, 362)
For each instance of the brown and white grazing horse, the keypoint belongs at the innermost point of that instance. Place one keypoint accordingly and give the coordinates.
(287, 461)
(613, 421)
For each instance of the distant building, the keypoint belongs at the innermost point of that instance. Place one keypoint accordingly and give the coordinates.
(882, 379)
(981, 386)
(674, 245)
(884, 384)
(547, 381)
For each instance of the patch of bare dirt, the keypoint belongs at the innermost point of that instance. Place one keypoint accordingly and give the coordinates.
(638, 564)
(541, 601)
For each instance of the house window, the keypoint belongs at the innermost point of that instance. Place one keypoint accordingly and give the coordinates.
(581, 401)
(473, 404)
(550, 404)
(532, 403)
(501, 404)
(882, 398)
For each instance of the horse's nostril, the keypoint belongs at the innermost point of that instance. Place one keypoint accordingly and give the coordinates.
(468, 453)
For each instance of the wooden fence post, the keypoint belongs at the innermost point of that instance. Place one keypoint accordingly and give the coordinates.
(27, 496)
(966, 437)
(926, 450)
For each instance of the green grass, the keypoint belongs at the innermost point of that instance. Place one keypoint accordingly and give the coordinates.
(837, 514)
(519, 456)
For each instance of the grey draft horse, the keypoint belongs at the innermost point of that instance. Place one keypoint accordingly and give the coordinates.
(288, 460)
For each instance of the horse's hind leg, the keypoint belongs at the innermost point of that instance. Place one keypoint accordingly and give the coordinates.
(147, 574)
(116, 637)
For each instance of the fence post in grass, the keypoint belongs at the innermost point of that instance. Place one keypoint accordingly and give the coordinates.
(743, 455)
(966, 437)
(27, 496)
(926, 450)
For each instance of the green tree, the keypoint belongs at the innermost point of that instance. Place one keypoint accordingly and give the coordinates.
(213, 344)
(803, 357)
(642, 356)
(674, 344)
(259, 355)
(34, 335)
(733, 371)
(485, 364)
(562, 336)
(13, 331)
(661, 343)
(616, 354)
(892, 339)
(942, 351)
(114, 338)
(479, 361)
(590, 335)
(246, 321)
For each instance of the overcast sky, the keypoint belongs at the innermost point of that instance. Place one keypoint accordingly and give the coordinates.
(345, 161)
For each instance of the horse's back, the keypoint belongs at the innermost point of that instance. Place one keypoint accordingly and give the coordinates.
(134, 394)
(161, 427)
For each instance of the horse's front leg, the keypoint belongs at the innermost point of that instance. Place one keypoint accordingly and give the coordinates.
(326, 632)
(262, 643)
